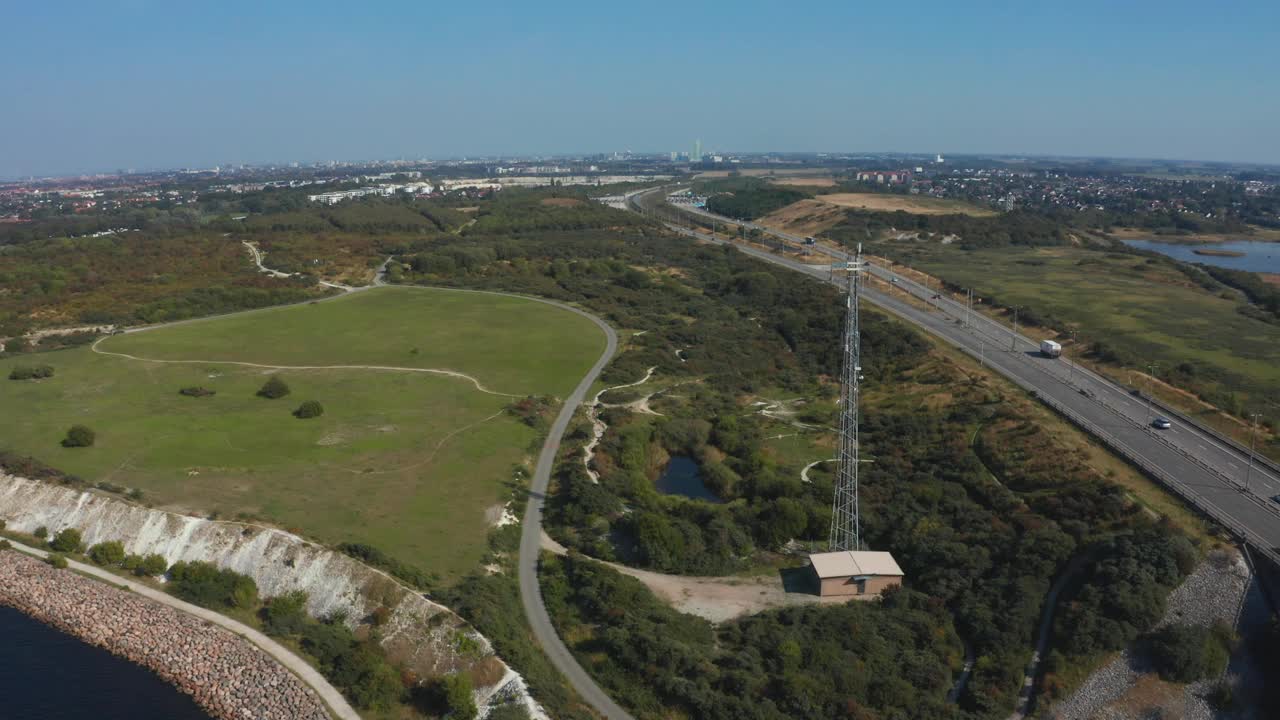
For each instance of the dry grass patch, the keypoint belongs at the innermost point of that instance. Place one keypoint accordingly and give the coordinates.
(805, 181)
(561, 202)
(806, 217)
(915, 204)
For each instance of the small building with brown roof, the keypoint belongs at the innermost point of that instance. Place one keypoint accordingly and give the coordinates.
(855, 572)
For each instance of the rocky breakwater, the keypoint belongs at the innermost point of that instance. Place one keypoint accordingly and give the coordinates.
(422, 635)
(226, 675)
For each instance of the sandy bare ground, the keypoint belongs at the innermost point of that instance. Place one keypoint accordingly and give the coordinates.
(718, 599)
(914, 204)
(805, 217)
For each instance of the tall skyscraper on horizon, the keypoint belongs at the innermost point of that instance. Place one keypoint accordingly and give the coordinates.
(697, 151)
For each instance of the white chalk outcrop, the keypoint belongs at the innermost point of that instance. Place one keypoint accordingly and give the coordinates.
(279, 562)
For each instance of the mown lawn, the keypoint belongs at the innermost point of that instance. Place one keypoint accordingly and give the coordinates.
(510, 344)
(407, 462)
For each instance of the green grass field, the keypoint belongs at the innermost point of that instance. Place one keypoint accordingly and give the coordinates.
(405, 461)
(1150, 312)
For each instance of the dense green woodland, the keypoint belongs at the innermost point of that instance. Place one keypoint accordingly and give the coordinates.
(856, 660)
(981, 530)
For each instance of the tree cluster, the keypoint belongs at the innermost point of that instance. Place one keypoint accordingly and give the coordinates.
(28, 372)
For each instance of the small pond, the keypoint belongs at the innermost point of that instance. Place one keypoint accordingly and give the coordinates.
(1254, 255)
(681, 476)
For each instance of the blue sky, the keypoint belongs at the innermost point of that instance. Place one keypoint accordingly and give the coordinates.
(142, 84)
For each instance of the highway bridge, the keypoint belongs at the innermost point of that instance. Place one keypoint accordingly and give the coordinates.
(1206, 469)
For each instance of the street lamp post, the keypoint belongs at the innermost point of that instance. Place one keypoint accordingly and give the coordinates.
(1253, 428)
(1013, 338)
(1151, 371)
(1071, 359)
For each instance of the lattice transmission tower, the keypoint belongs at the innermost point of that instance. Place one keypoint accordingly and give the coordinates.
(846, 523)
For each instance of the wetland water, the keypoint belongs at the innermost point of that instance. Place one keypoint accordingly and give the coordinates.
(50, 675)
(1257, 256)
(682, 477)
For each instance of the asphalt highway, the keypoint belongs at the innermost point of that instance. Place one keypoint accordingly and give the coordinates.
(1201, 466)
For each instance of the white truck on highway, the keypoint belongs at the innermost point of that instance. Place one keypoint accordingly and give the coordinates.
(1049, 348)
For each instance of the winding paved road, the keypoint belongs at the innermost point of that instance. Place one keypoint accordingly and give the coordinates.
(531, 538)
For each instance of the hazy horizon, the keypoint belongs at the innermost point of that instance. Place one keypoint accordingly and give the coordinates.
(146, 85)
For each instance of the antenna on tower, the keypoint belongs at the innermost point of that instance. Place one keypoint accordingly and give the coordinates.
(846, 522)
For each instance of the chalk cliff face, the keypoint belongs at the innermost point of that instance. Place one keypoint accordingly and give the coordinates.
(279, 562)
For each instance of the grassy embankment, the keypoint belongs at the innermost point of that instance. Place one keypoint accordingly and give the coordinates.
(1144, 313)
(405, 461)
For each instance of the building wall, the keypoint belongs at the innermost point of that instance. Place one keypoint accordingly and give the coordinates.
(872, 585)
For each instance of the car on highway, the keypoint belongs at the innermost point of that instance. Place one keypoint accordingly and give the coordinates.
(1275, 499)
(1161, 423)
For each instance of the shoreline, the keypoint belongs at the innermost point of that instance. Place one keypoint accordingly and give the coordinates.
(228, 676)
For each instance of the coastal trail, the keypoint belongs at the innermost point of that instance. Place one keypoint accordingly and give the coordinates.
(336, 703)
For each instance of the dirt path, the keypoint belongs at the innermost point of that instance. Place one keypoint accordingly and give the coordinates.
(1026, 696)
(717, 599)
(338, 705)
(433, 371)
(257, 260)
(597, 425)
(804, 474)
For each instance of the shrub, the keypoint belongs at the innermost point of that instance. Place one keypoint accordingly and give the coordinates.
(16, 345)
(22, 372)
(1221, 695)
(370, 681)
(327, 642)
(79, 436)
(66, 541)
(309, 409)
(459, 696)
(4, 544)
(57, 561)
(151, 566)
(273, 388)
(1184, 654)
(107, 553)
(286, 614)
(197, 391)
(2, 525)
(206, 584)
(373, 556)
(509, 711)
(41, 532)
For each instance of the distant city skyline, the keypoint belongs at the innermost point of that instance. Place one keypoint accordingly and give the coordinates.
(143, 84)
